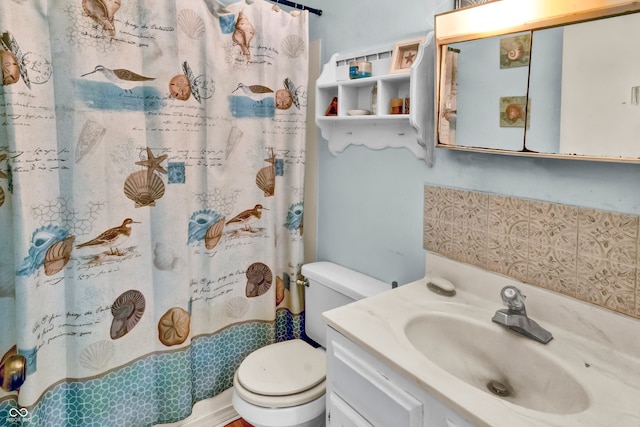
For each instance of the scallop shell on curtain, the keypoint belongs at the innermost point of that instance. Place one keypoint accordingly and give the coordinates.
(214, 234)
(58, 255)
(191, 23)
(266, 180)
(1, 196)
(127, 310)
(259, 279)
(144, 188)
(237, 307)
(293, 46)
(96, 356)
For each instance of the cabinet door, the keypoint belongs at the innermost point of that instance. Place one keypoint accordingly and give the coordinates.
(438, 414)
(370, 393)
(340, 414)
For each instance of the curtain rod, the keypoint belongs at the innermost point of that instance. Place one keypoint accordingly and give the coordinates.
(298, 6)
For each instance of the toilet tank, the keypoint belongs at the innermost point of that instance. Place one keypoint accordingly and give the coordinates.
(332, 286)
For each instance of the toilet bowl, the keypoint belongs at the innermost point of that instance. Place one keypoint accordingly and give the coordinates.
(283, 384)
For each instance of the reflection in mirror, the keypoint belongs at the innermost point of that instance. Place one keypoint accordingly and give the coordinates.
(489, 104)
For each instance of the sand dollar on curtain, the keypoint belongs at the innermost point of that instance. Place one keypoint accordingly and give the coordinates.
(151, 184)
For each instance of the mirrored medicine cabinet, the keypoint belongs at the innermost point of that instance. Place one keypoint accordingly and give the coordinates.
(545, 78)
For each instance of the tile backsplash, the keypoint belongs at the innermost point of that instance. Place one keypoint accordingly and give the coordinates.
(584, 253)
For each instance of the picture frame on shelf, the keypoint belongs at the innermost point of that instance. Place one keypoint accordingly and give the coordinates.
(404, 54)
(459, 4)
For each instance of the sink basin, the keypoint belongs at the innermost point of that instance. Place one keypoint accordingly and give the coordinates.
(497, 361)
(587, 376)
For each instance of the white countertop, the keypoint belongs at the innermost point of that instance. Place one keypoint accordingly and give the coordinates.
(599, 348)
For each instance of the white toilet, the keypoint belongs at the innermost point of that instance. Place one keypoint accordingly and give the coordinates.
(283, 384)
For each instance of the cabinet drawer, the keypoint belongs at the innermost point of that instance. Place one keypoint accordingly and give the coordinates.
(342, 415)
(370, 393)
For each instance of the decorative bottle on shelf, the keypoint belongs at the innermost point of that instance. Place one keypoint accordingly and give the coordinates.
(395, 105)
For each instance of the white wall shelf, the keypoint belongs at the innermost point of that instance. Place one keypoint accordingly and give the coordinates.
(413, 131)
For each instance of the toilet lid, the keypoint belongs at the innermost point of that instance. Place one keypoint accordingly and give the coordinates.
(283, 368)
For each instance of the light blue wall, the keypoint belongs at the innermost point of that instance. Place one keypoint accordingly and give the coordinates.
(370, 202)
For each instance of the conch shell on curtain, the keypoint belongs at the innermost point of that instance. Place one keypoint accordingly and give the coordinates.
(103, 12)
(243, 34)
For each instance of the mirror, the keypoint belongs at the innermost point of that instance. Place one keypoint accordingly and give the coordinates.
(569, 91)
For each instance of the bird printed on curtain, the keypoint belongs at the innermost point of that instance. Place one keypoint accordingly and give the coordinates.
(111, 238)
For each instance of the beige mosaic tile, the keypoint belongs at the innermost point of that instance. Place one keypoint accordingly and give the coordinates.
(552, 225)
(607, 284)
(429, 233)
(438, 236)
(439, 203)
(444, 232)
(473, 246)
(580, 252)
(431, 195)
(608, 235)
(472, 210)
(509, 216)
(507, 255)
(554, 269)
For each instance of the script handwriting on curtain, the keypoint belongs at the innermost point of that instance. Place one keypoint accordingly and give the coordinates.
(151, 184)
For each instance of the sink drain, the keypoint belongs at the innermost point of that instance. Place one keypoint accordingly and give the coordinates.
(499, 389)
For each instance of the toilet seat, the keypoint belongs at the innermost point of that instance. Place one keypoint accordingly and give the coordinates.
(282, 375)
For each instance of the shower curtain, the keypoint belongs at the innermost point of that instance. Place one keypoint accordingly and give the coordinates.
(151, 184)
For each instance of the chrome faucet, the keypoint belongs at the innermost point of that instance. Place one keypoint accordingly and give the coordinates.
(515, 317)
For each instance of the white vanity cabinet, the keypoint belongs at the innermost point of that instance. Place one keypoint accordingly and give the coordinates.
(362, 391)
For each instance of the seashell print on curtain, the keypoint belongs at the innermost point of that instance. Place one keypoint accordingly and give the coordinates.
(151, 184)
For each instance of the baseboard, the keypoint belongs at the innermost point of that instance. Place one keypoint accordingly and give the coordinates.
(214, 412)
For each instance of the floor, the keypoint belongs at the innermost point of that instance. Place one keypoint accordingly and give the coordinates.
(239, 423)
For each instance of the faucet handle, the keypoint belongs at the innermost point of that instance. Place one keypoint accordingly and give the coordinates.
(512, 298)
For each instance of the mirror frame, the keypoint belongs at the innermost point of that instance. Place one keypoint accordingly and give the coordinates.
(512, 16)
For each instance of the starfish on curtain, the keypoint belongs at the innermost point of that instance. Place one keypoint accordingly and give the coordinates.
(153, 163)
